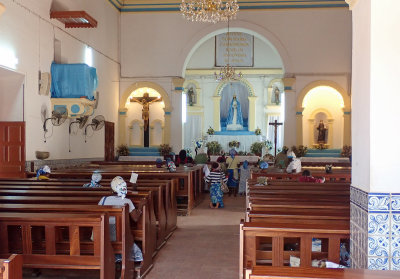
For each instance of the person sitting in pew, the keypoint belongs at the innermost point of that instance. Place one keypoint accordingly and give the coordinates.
(94, 183)
(43, 173)
(214, 178)
(281, 159)
(307, 177)
(118, 186)
(294, 163)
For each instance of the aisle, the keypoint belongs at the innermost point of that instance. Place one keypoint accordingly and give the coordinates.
(205, 245)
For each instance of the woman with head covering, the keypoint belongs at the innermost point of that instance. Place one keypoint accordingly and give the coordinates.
(94, 183)
(43, 173)
(244, 175)
(214, 178)
(119, 188)
(232, 163)
(181, 157)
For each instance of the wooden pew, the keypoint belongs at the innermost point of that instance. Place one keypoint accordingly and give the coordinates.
(143, 231)
(252, 235)
(123, 242)
(11, 268)
(344, 176)
(98, 256)
(268, 272)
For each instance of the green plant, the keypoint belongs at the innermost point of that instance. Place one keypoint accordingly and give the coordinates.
(214, 147)
(122, 150)
(234, 143)
(210, 131)
(257, 131)
(346, 151)
(300, 151)
(165, 149)
(256, 147)
(268, 145)
(201, 158)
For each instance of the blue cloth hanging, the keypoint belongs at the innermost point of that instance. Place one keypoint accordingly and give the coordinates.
(73, 81)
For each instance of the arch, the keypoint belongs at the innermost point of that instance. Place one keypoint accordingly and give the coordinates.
(244, 81)
(153, 125)
(315, 112)
(134, 122)
(235, 26)
(334, 85)
(140, 84)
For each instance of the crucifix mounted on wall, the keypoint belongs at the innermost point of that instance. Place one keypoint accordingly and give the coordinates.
(145, 101)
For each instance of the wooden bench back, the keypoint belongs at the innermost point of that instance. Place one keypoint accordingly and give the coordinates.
(11, 268)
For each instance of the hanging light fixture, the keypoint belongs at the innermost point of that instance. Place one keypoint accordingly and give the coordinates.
(209, 10)
(227, 73)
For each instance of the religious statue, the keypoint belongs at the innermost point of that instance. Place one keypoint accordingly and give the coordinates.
(145, 101)
(235, 117)
(191, 96)
(277, 94)
(321, 132)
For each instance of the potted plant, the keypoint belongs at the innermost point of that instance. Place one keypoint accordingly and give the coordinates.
(210, 131)
(214, 147)
(122, 150)
(234, 144)
(257, 131)
(257, 147)
(165, 150)
(346, 151)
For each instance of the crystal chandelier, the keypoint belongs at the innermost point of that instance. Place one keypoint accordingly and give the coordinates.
(227, 73)
(209, 10)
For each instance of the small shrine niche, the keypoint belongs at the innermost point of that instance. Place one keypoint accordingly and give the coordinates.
(191, 95)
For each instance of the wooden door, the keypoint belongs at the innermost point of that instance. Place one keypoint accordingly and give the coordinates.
(109, 141)
(12, 149)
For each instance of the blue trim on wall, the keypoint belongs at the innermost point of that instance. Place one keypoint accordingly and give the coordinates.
(168, 113)
(122, 113)
(179, 88)
(283, 4)
(347, 112)
(299, 113)
(288, 88)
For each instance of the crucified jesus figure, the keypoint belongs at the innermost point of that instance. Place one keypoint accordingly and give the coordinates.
(145, 101)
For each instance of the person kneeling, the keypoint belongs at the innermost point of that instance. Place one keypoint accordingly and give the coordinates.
(307, 177)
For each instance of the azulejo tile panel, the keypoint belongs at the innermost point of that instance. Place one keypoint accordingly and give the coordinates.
(395, 264)
(395, 226)
(378, 246)
(395, 202)
(378, 263)
(379, 224)
(379, 202)
(395, 246)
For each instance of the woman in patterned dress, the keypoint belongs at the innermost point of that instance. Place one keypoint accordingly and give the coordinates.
(214, 178)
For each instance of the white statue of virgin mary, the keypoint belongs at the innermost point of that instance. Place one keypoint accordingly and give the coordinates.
(235, 117)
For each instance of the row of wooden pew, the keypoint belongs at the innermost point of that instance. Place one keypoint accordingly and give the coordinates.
(282, 220)
(58, 224)
(11, 267)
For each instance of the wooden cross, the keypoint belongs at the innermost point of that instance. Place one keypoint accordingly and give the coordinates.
(275, 124)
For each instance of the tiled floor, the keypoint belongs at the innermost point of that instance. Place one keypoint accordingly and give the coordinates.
(205, 245)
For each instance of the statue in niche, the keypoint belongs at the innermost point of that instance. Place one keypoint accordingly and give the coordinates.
(191, 96)
(277, 95)
(321, 132)
(235, 117)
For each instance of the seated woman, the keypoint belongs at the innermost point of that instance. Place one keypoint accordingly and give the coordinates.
(307, 177)
(215, 177)
(119, 188)
(94, 183)
(294, 163)
(43, 173)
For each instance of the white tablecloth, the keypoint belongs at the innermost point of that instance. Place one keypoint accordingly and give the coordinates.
(250, 159)
(245, 141)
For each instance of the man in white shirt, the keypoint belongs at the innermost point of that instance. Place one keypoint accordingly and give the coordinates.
(294, 163)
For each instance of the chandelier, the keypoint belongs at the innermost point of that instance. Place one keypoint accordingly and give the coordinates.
(209, 10)
(227, 73)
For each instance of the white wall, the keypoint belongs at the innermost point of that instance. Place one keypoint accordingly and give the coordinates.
(308, 40)
(361, 102)
(27, 29)
(11, 95)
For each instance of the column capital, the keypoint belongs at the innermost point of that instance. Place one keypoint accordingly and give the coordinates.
(351, 3)
(122, 111)
(289, 83)
(178, 84)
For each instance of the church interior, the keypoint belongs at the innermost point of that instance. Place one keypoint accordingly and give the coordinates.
(114, 86)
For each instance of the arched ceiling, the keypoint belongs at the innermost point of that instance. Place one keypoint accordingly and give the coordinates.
(173, 5)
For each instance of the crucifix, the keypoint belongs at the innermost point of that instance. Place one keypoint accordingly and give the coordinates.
(145, 101)
(275, 124)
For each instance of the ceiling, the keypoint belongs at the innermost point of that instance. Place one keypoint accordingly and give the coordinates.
(173, 5)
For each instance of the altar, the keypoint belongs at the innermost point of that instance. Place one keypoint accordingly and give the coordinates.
(245, 138)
